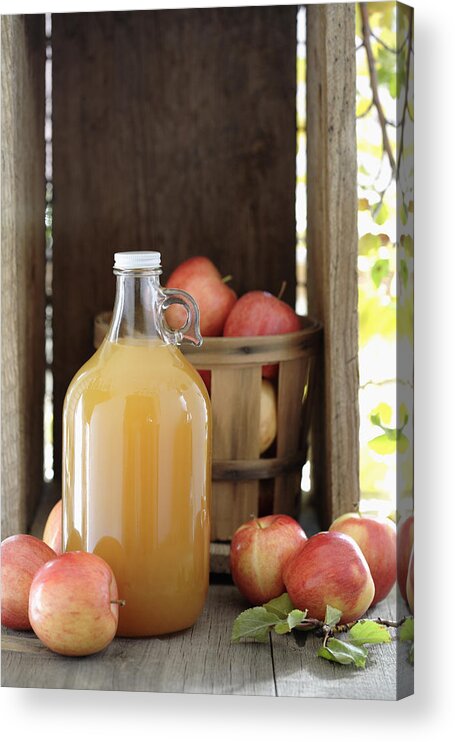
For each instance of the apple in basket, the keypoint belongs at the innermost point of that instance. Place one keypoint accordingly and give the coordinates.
(200, 278)
(260, 313)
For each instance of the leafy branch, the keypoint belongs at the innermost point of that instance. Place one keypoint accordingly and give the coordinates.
(279, 615)
(367, 33)
(406, 93)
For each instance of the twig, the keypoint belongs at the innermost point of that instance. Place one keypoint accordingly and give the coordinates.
(383, 622)
(386, 46)
(385, 382)
(406, 92)
(391, 624)
(339, 628)
(366, 32)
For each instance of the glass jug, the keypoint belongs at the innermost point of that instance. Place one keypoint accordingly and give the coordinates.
(137, 455)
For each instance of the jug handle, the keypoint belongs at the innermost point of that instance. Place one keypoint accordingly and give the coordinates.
(190, 331)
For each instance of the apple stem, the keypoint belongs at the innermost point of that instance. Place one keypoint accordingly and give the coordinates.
(259, 524)
(226, 279)
(119, 602)
(282, 289)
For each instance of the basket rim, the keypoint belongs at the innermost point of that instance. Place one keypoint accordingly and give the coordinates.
(310, 335)
(310, 328)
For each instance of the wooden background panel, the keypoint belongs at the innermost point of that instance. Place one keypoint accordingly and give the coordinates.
(174, 131)
(22, 281)
(332, 251)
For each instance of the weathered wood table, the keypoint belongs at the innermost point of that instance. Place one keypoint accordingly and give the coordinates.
(203, 660)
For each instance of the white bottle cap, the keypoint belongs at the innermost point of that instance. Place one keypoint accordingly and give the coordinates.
(141, 259)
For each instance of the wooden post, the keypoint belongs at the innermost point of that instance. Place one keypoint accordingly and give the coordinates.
(332, 251)
(22, 281)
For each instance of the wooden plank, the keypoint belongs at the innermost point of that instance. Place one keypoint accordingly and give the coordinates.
(291, 385)
(22, 282)
(299, 672)
(332, 250)
(203, 660)
(172, 130)
(236, 399)
(199, 660)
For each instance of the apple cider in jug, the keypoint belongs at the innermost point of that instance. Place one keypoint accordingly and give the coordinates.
(137, 455)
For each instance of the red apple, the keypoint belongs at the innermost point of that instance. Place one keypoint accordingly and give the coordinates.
(377, 539)
(22, 556)
(329, 569)
(410, 582)
(52, 534)
(261, 313)
(72, 606)
(215, 299)
(259, 550)
(206, 376)
(405, 541)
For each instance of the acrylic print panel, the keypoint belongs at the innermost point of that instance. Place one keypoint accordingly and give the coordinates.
(278, 143)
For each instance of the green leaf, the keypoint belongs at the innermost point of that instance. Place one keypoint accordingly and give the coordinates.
(393, 86)
(382, 444)
(280, 606)
(411, 654)
(379, 271)
(403, 415)
(375, 419)
(332, 616)
(408, 244)
(404, 273)
(383, 412)
(369, 243)
(369, 632)
(254, 623)
(344, 653)
(406, 631)
(386, 66)
(390, 441)
(294, 618)
(380, 213)
(403, 213)
(402, 442)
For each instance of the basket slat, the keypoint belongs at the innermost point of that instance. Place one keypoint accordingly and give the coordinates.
(235, 394)
(293, 379)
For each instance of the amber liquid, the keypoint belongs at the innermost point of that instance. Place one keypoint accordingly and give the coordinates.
(136, 479)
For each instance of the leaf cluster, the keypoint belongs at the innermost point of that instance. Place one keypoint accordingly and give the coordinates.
(281, 617)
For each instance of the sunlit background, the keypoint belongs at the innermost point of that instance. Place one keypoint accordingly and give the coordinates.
(385, 114)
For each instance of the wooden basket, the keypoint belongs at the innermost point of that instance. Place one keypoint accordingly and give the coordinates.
(245, 483)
